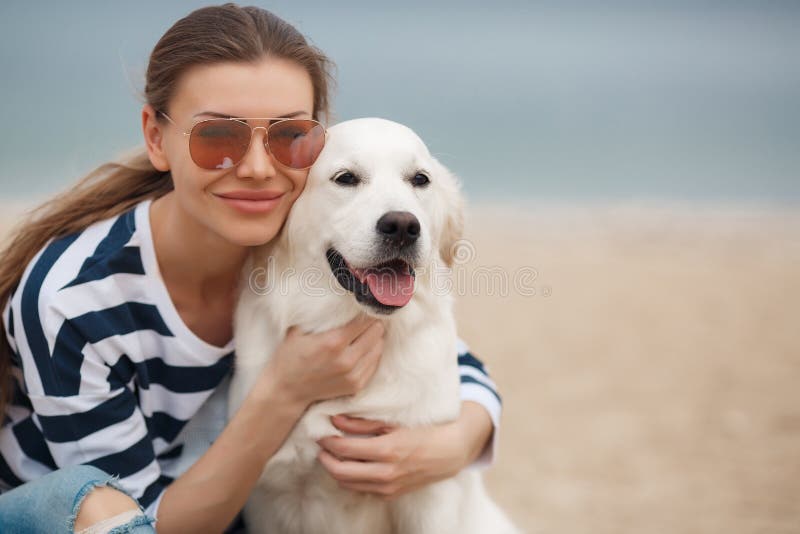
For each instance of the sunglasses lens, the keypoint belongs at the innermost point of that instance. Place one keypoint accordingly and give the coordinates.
(296, 143)
(218, 143)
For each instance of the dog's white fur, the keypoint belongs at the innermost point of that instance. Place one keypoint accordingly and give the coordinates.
(417, 380)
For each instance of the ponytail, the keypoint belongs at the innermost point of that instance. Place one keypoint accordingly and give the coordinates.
(109, 190)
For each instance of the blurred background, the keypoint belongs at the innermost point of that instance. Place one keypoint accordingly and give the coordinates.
(642, 159)
(548, 100)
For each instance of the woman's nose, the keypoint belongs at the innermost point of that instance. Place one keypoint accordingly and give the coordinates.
(257, 162)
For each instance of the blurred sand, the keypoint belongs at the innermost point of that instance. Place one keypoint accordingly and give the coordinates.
(652, 383)
(657, 388)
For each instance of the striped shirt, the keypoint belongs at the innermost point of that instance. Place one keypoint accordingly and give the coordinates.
(108, 374)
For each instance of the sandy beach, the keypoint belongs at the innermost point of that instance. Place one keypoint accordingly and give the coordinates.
(649, 362)
(651, 384)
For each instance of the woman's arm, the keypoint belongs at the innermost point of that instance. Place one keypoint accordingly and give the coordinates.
(399, 459)
(89, 416)
(209, 494)
(390, 461)
(477, 386)
(304, 368)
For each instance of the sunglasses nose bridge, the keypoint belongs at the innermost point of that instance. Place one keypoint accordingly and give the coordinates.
(266, 135)
(259, 165)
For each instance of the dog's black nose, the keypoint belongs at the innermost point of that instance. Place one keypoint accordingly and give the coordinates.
(401, 228)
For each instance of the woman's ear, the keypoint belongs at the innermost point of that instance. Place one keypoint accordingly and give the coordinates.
(153, 131)
(453, 217)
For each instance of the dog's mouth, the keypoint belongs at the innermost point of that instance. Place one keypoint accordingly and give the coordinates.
(386, 286)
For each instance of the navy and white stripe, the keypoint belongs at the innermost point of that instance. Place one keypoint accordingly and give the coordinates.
(478, 387)
(107, 372)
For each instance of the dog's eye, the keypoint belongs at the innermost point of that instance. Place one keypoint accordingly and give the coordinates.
(420, 180)
(346, 178)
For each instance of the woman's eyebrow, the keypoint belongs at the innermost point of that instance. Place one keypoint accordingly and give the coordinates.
(229, 116)
(292, 115)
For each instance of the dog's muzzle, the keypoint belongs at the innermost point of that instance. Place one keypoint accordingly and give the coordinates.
(388, 282)
(385, 287)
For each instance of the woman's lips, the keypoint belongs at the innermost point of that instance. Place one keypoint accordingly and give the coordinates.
(251, 201)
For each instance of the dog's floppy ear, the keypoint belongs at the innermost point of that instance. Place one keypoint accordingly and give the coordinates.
(453, 216)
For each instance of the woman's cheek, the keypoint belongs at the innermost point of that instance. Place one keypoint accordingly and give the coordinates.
(299, 182)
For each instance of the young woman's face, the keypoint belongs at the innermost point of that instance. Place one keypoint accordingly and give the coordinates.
(268, 88)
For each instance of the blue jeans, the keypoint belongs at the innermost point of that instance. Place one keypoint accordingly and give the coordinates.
(49, 505)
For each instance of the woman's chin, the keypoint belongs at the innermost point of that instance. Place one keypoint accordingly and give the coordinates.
(252, 236)
(252, 229)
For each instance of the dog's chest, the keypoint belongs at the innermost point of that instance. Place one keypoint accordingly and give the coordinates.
(416, 384)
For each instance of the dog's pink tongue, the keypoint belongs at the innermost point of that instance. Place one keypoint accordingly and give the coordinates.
(391, 289)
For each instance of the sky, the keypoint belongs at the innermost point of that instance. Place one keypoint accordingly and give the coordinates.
(562, 101)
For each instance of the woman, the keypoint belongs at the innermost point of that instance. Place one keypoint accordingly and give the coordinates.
(118, 330)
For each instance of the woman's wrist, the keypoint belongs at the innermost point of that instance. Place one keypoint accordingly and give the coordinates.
(456, 454)
(475, 428)
(273, 391)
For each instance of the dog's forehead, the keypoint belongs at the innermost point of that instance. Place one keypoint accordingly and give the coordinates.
(374, 137)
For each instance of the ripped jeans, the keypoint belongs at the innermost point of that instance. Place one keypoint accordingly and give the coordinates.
(49, 505)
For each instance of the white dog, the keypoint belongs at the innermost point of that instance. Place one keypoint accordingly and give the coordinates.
(371, 233)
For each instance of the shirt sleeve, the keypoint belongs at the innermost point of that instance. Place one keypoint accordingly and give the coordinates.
(478, 387)
(86, 414)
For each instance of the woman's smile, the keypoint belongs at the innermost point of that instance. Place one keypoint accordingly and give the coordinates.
(248, 201)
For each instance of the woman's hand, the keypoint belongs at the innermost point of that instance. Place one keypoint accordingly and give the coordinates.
(304, 368)
(312, 367)
(389, 461)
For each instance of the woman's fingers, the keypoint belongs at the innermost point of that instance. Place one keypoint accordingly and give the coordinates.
(356, 328)
(361, 357)
(328, 364)
(383, 491)
(356, 449)
(385, 480)
(366, 365)
(369, 337)
(356, 425)
(354, 471)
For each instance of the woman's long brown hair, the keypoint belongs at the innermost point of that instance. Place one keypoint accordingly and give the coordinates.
(208, 35)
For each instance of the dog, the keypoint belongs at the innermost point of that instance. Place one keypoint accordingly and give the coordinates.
(375, 227)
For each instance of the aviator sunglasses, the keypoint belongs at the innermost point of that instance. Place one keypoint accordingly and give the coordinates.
(221, 143)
